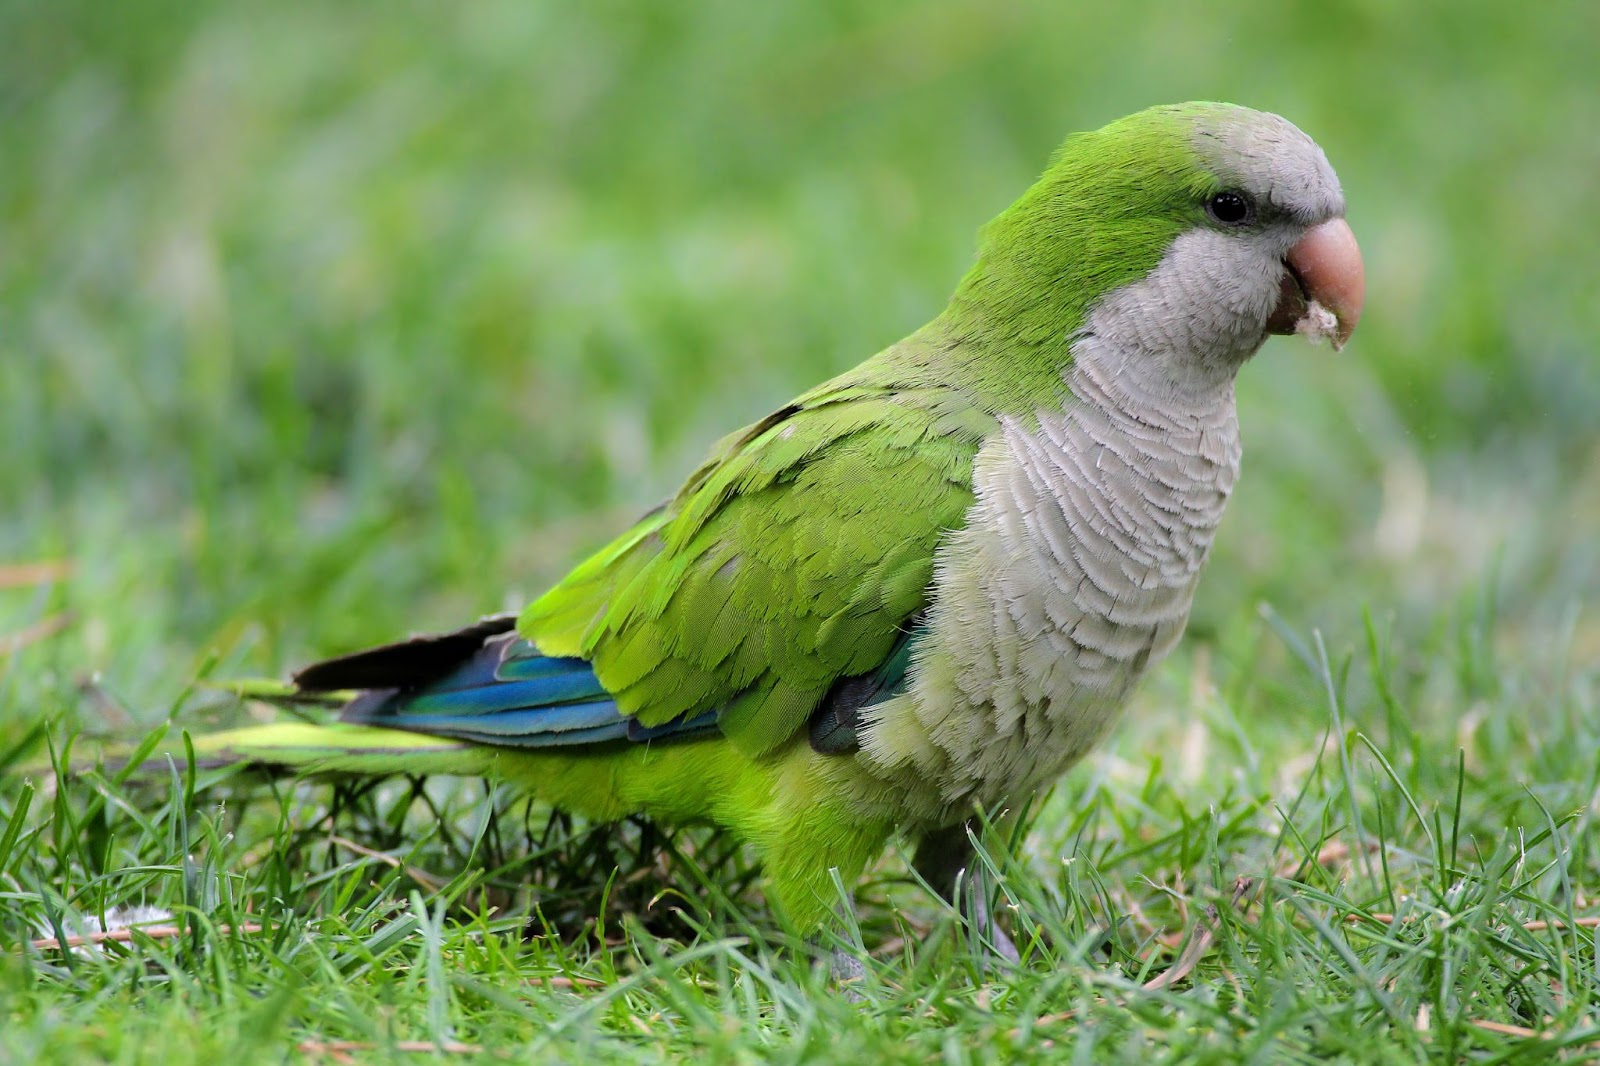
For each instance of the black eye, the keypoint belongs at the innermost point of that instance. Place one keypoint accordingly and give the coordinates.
(1231, 208)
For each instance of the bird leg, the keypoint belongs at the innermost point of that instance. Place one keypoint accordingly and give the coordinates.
(845, 967)
(946, 859)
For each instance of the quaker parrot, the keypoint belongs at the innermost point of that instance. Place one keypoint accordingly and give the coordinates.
(928, 585)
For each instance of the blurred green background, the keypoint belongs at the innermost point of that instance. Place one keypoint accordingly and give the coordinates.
(321, 323)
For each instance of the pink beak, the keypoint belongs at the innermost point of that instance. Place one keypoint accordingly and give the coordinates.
(1324, 285)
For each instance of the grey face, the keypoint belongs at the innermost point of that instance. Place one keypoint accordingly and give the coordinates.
(1223, 286)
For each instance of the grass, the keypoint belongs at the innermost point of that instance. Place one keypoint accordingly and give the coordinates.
(324, 323)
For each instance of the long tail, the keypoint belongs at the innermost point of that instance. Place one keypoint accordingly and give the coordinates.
(448, 704)
(445, 704)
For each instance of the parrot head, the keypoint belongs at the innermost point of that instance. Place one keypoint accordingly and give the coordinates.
(1187, 232)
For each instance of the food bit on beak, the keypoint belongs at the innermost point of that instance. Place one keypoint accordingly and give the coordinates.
(1323, 286)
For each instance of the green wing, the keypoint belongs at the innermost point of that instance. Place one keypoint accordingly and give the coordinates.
(794, 557)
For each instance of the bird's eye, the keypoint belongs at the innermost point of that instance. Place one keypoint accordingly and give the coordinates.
(1231, 208)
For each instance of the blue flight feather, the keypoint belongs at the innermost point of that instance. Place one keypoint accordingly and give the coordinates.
(516, 667)
(508, 694)
(504, 696)
(571, 738)
(678, 727)
(557, 718)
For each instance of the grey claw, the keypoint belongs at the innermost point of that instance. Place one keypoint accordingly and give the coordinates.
(848, 973)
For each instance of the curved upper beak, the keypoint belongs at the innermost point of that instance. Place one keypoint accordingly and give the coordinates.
(1324, 285)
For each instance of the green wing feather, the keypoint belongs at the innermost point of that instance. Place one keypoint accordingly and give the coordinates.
(789, 560)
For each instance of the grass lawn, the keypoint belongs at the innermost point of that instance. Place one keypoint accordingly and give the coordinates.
(325, 323)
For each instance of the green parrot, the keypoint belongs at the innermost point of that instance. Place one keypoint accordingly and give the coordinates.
(926, 586)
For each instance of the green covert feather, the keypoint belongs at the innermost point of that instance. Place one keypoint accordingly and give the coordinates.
(789, 560)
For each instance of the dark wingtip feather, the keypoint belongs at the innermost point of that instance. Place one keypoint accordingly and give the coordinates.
(406, 664)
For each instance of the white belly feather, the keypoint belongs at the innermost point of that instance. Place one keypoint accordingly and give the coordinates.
(1073, 574)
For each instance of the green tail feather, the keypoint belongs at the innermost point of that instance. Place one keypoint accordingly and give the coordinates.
(300, 748)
